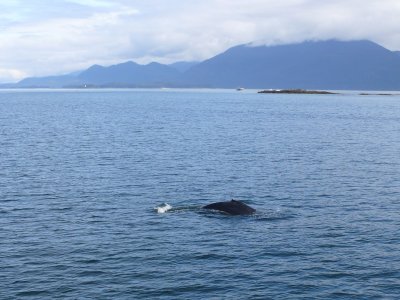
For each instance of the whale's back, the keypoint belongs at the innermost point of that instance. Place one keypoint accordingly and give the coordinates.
(232, 207)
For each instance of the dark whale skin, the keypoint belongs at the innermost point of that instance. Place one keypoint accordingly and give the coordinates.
(233, 207)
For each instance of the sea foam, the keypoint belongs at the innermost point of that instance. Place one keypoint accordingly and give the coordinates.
(163, 208)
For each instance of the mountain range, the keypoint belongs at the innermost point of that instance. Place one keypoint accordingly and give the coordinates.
(332, 64)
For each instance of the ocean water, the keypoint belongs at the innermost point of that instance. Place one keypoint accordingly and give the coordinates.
(82, 174)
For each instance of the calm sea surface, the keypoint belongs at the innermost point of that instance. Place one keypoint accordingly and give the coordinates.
(82, 171)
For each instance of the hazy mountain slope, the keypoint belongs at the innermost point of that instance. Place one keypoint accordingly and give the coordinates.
(130, 73)
(323, 65)
(49, 81)
(183, 66)
(127, 74)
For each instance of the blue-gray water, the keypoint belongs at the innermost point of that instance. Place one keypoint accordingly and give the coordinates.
(81, 173)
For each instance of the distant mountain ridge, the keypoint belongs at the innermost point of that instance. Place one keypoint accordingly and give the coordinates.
(130, 74)
(308, 65)
(49, 81)
(332, 64)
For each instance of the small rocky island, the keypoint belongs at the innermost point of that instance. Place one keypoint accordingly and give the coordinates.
(379, 94)
(296, 91)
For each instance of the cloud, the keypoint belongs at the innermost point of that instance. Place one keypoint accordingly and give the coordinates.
(12, 74)
(42, 38)
(92, 3)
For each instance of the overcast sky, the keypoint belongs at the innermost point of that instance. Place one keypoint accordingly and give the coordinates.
(43, 37)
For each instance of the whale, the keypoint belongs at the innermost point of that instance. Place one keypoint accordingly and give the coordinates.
(233, 207)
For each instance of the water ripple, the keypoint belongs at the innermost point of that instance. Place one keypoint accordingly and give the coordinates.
(82, 171)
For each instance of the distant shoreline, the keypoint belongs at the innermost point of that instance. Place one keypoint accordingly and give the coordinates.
(296, 91)
(266, 91)
(378, 94)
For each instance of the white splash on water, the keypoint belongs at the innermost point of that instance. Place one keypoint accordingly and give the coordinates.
(163, 208)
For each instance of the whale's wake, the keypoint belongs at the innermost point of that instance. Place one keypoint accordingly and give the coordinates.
(163, 208)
